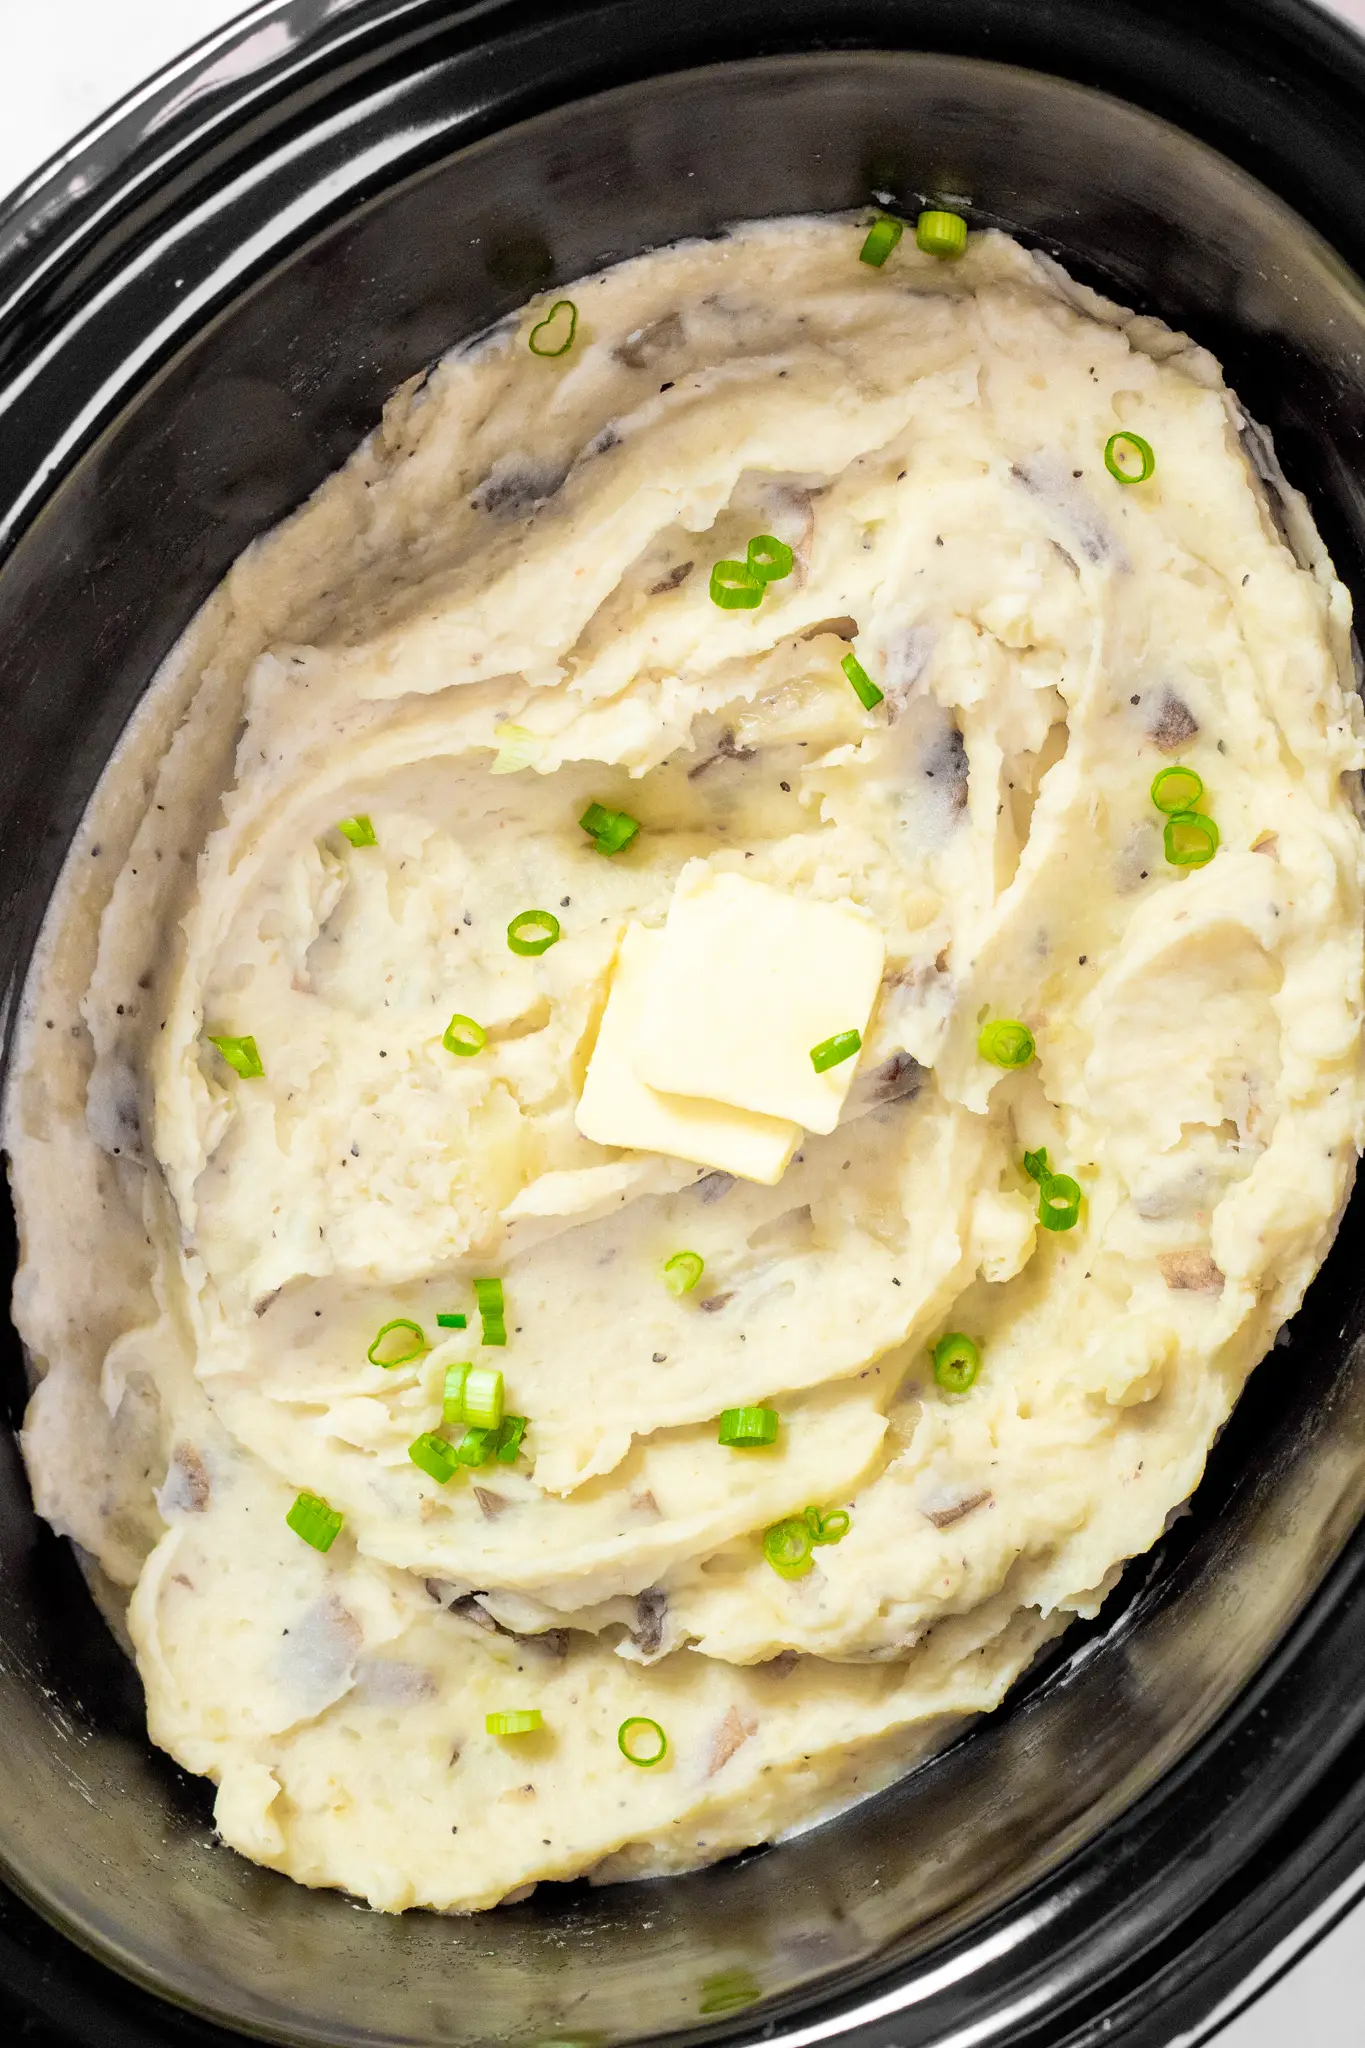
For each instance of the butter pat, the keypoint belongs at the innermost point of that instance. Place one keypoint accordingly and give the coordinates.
(617, 1108)
(748, 981)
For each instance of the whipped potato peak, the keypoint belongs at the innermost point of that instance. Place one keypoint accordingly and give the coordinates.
(709, 1016)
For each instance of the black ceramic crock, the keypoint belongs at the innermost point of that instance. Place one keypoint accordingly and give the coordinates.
(202, 307)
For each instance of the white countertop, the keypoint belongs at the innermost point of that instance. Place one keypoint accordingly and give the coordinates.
(65, 61)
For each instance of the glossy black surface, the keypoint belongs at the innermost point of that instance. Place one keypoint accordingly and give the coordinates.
(192, 340)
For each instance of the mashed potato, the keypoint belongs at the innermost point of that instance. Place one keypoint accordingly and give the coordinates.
(284, 1082)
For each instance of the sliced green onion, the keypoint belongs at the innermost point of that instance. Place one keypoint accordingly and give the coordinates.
(727, 1991)
(510, 1433)
(552, 327)
(452, 1393)
(1059, 1202)
(492, 1312)
(533, 931)
(518, 748)
(828, 1528)
(610, 831)
(787, 1547)
(476, 1446)
(403, 1349)
(882, 238)
(642, 1741)
(1176, 789)
(452, 1322)
(1117, 450)
(746, 1429)
(1006, 1043)
(1036, 1166)
(311, 1518)
(832, 1052)
(358, 830)
(956, 1362)
(941, 234)
(434, 1456)
(735, 587)
(524, 1722)
(483, 1396)
(464, 1037)
(683, 1271)
(866, 691)
(241, 1055)
(770, 559)
(1190, 839)
(494, 1330)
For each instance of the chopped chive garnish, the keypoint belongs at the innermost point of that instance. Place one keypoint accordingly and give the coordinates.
(735, 587)
(1176, 789)
(832, 1052)
(745, 1429)
(642, 1741)
(828, 1528)
(464, 1037)
(511, 1430)
(956, 1362)
(517, 749)
(1190, 839)
(476, 1446)
(941, 234)
(882, 238)
(358, 830)
(787, 1548)
(452, 1322)
(483, 1396)
(770, 559)
(1036, 1166)
(532, 931)
(311, 1518)
(683, 1271)
(556, 333)
(434, 1456)
(610, 831)
(728, 1991)
(402, 1349)
(452, 1392)
(242, 1056)
(524, 1722)
(1059, 1202)
(1122, 450)
(866, 691)
(1006, 1043)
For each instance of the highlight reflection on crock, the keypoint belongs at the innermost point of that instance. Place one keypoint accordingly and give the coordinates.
(711, 1014)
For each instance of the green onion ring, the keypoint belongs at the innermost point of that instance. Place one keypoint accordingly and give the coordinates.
(735, 587)
(787, 1548)
(828, 1528)
(683, 1271)
(832, 1052)
(312, 1519)
(483, 1396)
(1006, 1043)
(410, 1351)
(882, 238)
(543, 327)
(626, 1737)
(610, 831)
(434, 1456)
(866, 691)
(241, 1055)
(1114, 446)
(464, 1037)
(770, 559)
(358, 830)
(1036, 1166)
(941, 234)
(747, 1429)
(524, 1722)
(1176, 789)
(452, 1392)
(1059, 1202)
(957, 1361)
(542, 926)
(1190, 839)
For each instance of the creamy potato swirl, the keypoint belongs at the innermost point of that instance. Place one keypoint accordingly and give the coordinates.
(498, 614)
